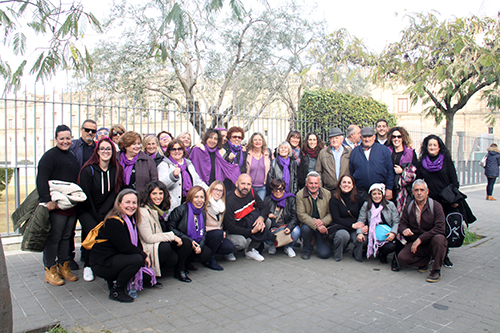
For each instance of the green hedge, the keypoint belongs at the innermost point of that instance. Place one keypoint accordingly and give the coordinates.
(324, 109)
(3, 182)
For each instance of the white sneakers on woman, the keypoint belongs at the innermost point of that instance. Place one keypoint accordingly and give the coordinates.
(88, 275)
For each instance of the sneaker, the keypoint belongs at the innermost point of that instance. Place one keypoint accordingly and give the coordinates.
(88, 275)
(254, 254)
(447, 262)
(434, 276)
(272, 249)
(423, 269)
(230, 257)
(289, 251)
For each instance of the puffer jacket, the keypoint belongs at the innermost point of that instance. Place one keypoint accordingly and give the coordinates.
(492, 163)
(33, 222)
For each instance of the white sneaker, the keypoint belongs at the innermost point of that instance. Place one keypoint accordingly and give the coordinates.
(230, 257)
(272, 249)
(289, 251)
(254, 254)
(88, 275)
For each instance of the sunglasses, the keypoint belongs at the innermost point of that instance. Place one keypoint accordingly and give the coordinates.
(237, 137)
(117, 133)
(281, 189)
(88, 130)
(397, 136)
(176, 149)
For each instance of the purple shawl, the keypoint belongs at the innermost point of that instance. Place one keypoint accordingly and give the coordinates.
(433, 166)
(282, 201)
(128, 166)
(235, 150)
(195, 230)
(407, 156)
(373, 242)
(132, 230)
(285, 163)
(186, 177)
(202, 164)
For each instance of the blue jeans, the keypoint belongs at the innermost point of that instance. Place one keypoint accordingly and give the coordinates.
(323, 248)
(260, 191)
(295, 236)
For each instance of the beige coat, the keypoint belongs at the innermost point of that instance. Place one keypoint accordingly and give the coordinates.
(325, 166)
(151, 235)
(305, 207)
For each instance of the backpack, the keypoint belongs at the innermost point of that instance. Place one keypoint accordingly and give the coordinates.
(90, 240)
(455, 232)
(483, 161)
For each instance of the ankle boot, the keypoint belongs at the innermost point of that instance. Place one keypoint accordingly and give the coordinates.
(490, 197)
(118, 293)
(213, 264)
(51, 276)
(65, 272)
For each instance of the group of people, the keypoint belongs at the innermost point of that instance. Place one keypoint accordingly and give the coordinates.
(167, 203)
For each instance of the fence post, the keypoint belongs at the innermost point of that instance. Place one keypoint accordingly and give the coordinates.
(5, 300)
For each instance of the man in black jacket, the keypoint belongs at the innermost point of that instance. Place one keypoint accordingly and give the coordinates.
(244, 219)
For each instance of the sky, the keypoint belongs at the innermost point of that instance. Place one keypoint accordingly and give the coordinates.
(377, 23)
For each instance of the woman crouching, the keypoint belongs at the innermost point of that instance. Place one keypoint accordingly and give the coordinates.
(117, 255)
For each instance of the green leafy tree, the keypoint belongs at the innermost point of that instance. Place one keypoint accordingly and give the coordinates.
(63, 24)
(324, 109)
(444, 64)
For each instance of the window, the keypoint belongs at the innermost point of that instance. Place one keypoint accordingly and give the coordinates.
(38, 122)
(490, 130)
(11, 123)
(402, 104)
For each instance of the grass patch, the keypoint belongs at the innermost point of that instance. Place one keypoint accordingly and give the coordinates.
(471, 237)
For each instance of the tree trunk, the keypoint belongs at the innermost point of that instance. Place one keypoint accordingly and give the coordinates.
(5, 300)
(449, 131)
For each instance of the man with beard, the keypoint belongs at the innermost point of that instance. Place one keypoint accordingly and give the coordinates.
(244, 219)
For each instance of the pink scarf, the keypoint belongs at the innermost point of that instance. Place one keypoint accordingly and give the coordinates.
(373, 242)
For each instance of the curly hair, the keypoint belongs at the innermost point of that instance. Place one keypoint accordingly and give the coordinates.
(145, 195)
(250, 142)
(404, 133)
(235, 129)
(128, 139)
(442, 147)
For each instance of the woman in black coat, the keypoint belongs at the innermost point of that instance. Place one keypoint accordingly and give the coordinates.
(188, 222)
(308, 157)
(283, 212)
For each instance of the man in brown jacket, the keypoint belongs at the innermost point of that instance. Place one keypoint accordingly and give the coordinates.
(423, 226)
(333, 161)
(313, 211)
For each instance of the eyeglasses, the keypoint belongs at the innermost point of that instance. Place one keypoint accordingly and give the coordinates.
(397, 136)
(88, 130)
(117, 133)
(102, 133)
(218, 190)
(176, 149)
(237, 137)
(105, 149)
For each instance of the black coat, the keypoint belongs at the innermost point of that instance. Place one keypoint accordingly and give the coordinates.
(289, 213)
(276, 171)
(178, 222)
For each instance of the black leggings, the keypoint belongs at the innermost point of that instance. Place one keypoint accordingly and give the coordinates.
(394, 246)
(123, 268)
(171, 255)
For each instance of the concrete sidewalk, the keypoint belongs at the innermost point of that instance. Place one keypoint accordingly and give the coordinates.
(282, 294)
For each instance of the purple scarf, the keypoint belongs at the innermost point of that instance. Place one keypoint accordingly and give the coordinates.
(128, 166)
(202, 164)
(192, 232)
(188, 150)
(235, 150)
(186, 177)
(282, 201)
(373, 242)
(285, 163)
(433, 166)
(407, 156)
(132, 230)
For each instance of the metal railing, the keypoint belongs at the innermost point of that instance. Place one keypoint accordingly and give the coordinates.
(29, 121)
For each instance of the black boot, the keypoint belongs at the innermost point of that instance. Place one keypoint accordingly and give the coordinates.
(213, 264)
(118, 293)
(182, 276)
(395, 264)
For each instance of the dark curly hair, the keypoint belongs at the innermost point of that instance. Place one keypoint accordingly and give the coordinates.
(442, 147)
(145, 196)
(404, 133)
